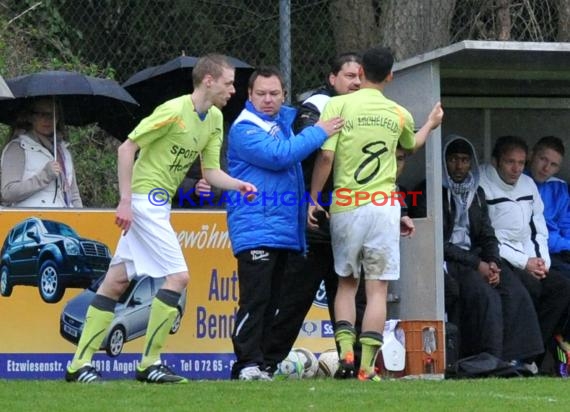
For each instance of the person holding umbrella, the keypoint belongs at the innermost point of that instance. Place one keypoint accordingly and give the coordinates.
(168, 142)
(31, 175)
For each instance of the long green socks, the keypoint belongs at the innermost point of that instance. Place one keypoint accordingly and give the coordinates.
(97, 320)
(371, 343)
(162, 314)
(100, 315)
(345, 337)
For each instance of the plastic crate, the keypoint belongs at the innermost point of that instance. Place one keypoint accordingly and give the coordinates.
(418, 360)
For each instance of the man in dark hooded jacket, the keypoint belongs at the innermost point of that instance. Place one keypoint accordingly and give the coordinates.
(496, 312)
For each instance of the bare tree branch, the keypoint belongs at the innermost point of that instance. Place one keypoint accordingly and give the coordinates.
(29, 9)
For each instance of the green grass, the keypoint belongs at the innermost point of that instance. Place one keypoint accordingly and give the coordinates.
(530, 394)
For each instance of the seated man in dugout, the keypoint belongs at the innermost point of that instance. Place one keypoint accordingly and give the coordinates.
(545, 162)
(495, 311)
(516, 213)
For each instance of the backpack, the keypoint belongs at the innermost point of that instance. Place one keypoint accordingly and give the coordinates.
(484, 365)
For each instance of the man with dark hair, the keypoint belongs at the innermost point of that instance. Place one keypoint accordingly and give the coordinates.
(516, 212)
(545, 161)
(306, 274)
(264, 232)
(167, 142)
(364, 235)
(496, 314)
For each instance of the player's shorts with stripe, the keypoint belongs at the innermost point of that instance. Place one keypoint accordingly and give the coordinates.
(150, 247)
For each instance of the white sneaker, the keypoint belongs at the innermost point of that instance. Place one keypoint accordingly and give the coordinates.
(532, 368)
(525, 368)
(265, 376)
(253, 373)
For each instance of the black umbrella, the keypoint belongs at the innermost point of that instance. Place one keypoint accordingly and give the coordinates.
(5, 92)
(155, 85)
(84, 99)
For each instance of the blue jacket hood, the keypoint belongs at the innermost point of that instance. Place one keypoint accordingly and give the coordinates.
(263, 150)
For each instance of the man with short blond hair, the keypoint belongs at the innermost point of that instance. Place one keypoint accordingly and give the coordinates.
(167, 143)
(545, 162)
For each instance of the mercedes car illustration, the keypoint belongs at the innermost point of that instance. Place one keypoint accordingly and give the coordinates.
(52, 256)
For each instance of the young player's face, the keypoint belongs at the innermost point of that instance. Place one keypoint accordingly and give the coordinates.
(544, 164)
(222, 88)
(511, 165)
(458, 166)
(346, 80)
(267, 95)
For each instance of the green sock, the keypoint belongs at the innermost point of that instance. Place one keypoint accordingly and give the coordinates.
(97, 322)
(371, 343)
(345, 337)
(161, 318)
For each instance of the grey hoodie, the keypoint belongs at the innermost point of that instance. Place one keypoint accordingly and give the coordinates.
(462, 193)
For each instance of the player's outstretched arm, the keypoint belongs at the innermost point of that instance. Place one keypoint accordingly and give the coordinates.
(433, 121)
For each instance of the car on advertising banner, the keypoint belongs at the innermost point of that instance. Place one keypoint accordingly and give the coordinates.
(52, 256)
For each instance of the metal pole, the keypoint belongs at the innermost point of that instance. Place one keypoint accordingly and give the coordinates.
(285, 45)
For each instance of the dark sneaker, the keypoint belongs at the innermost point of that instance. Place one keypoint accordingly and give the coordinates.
(85, 374)
(345, 367)
(363, 376)
(158, 373)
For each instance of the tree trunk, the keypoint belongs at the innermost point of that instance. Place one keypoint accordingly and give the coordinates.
(563, 20)
(354, 25)
(504, 20)
(412, 27)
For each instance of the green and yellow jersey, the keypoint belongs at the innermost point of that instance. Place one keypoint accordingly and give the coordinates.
(365, 148)
(170, 140)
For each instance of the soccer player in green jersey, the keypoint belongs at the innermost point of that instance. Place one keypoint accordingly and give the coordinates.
(365, 215)
(168, 142)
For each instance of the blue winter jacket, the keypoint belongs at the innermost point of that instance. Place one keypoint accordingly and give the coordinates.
(554, 194)
(264, 151)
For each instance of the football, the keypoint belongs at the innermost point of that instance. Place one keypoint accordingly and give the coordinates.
(291, 367)
(328, 363)
(309, 361)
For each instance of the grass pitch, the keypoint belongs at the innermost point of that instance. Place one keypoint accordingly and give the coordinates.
(520, 394)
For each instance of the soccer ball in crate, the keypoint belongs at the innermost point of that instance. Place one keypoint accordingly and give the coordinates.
(328, 363)
(309, 361)
(292, 367)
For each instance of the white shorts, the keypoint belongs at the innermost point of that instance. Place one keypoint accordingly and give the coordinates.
(150, 247)
(368, 236)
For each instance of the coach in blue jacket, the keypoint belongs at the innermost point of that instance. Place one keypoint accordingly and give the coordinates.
(265, 229)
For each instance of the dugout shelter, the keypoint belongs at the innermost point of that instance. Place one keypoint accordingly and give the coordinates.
(488, 89)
